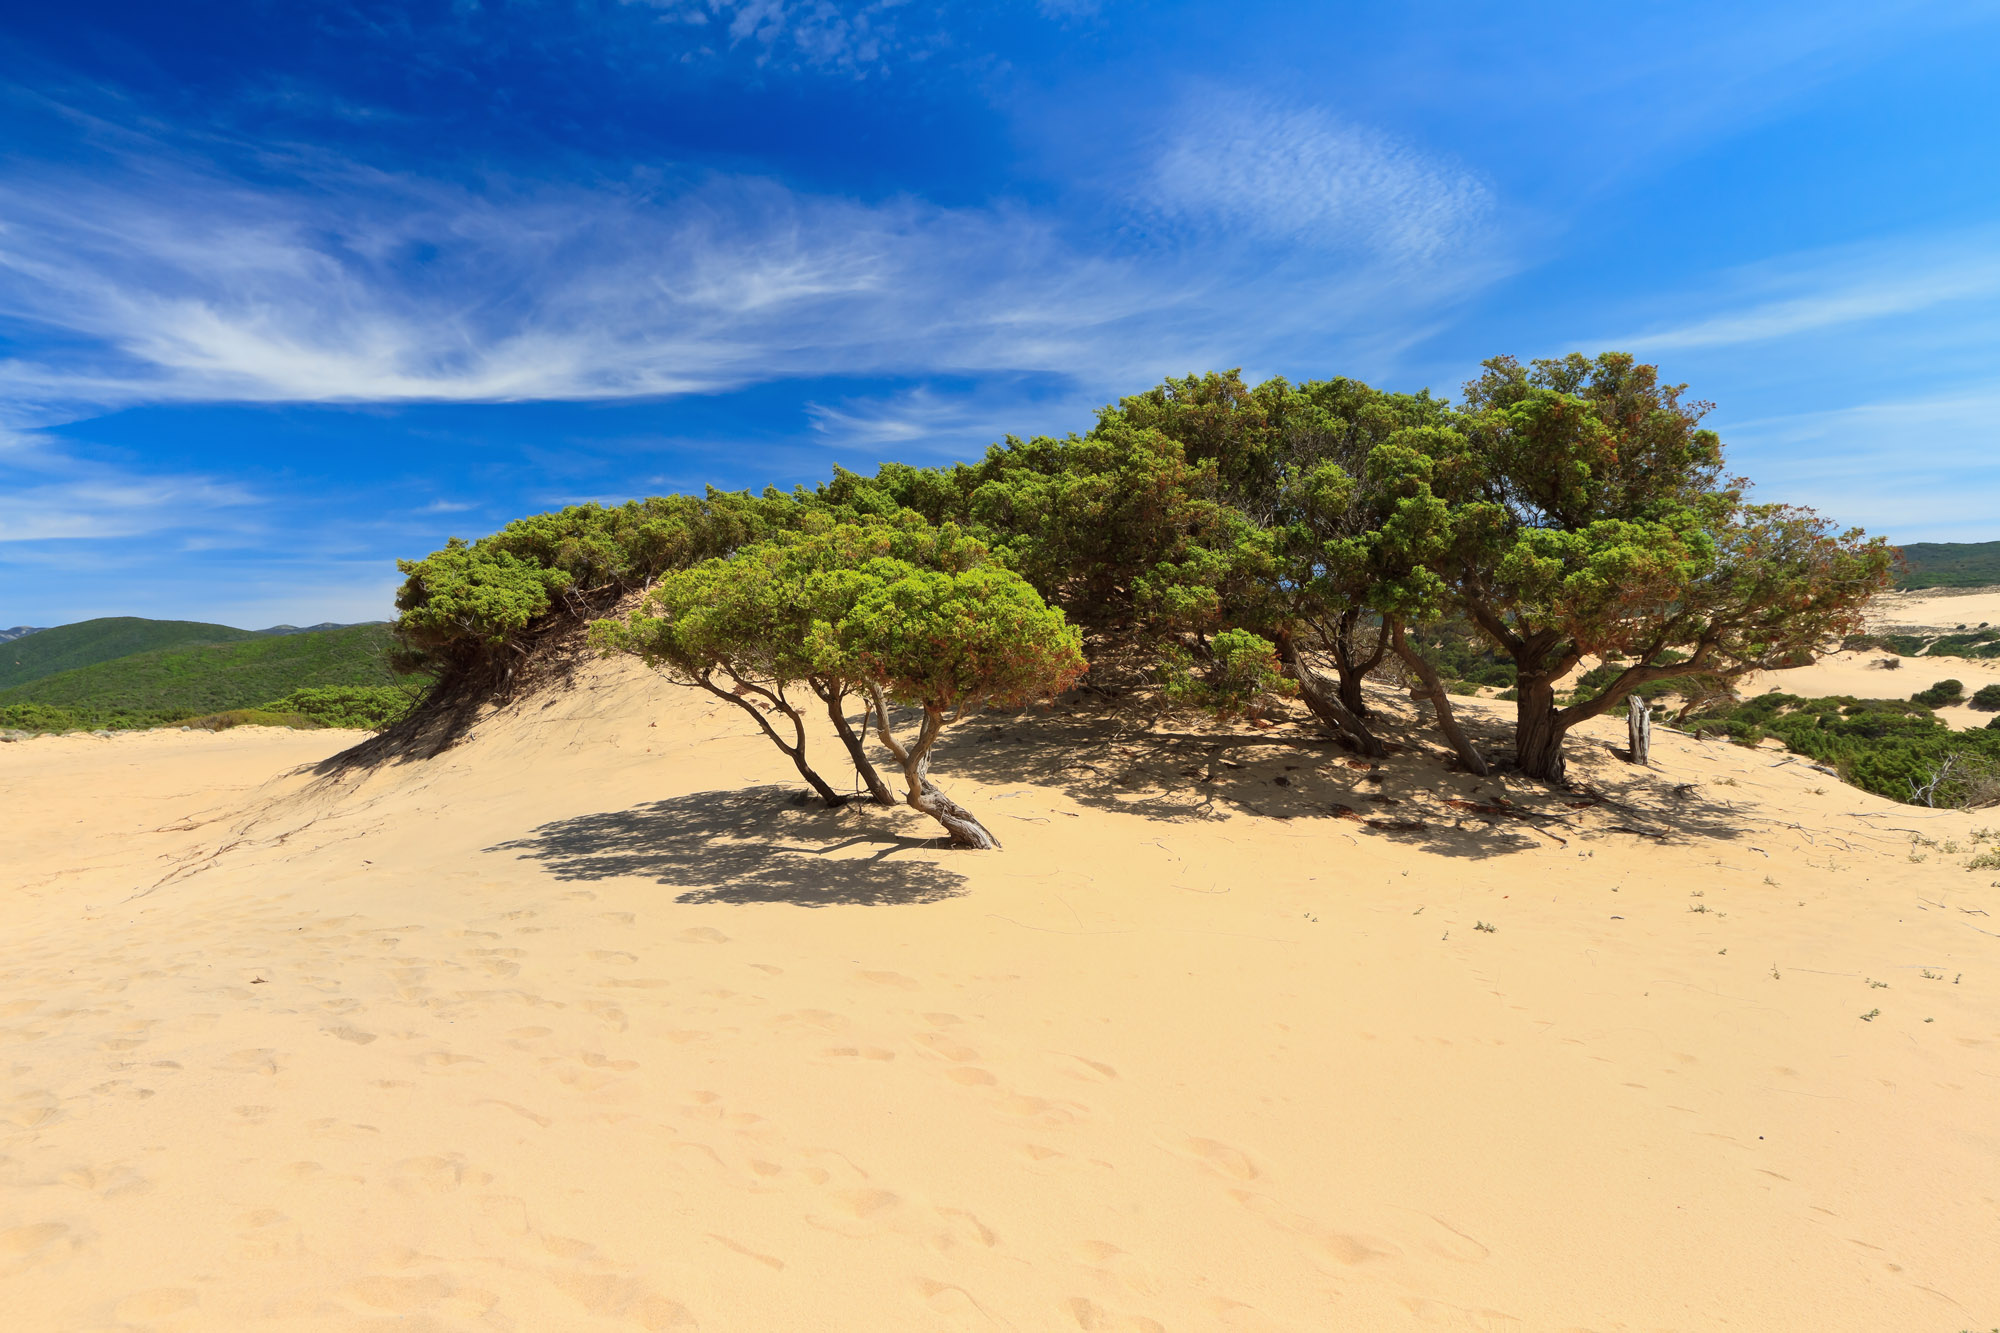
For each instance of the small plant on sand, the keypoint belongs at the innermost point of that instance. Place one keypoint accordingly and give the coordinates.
(1486, 926)
(1871, 1015)
(1929, 975)
(1876, 985)
(1986, 860)
(1698, 907)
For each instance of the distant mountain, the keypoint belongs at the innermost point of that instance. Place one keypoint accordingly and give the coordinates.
(314, 629)
(1951, 565)
(9, 635)
(210, 677)
(68, 647)
(31, 654)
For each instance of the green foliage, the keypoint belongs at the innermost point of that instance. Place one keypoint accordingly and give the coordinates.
(948, 641)
(464, 604)
(1950, 565)
(356, 706)
(68, 647)
(1986, 698)
(1239, 676)
(1882, 745)
(169, 685)
(253, 717)
(46, 717)
(466, 600)
(1940, 694)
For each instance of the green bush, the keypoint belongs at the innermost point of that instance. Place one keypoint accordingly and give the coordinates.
(251, 717)
(1940, 694)
(1986, 698)
(362, 707)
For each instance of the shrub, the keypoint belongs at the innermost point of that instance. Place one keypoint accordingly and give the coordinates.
(465, 600)
(1940, 694)
(358, 706)
(1987, 698)
(1242, 678)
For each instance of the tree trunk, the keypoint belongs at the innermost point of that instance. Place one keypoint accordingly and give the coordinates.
(1538, 730)
(1639, 729)
(965, 830)
(835, 697)
(1350, 665)
(795, 752)
(1337, 717)
(1447, 720)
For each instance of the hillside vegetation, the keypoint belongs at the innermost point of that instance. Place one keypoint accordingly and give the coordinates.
(67, 647)
(177, 683)
(1950, 565)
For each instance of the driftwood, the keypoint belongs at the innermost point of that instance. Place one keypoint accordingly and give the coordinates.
(1639, 729)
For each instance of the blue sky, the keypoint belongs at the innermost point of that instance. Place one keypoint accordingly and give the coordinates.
(290, 290)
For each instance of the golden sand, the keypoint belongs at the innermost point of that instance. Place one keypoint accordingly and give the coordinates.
(589, 1024)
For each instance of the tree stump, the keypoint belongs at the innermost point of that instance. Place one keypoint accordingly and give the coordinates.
(1639, 727)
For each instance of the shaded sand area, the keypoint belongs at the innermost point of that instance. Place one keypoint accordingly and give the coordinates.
(590, 1024)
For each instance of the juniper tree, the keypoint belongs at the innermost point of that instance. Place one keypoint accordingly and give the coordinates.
(1595, 518)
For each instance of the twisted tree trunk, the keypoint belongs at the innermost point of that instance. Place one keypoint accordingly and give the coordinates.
(1325, 705)
(1447, 720)
(795, 751)
(1538, 729)
(1639, 729)
(924, 795)
(834, 697)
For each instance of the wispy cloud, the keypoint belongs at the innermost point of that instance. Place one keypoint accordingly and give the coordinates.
(1831, 289)
(340, 284)
(819, 33)
(1302, 175)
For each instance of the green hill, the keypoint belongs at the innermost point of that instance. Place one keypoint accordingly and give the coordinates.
(1951, 565)
(67, 647)
(198, 678)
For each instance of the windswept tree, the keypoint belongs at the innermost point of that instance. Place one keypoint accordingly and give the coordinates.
(942, 642)
(1595, 520)
(712, 628)
(465, 605)
(742, 628)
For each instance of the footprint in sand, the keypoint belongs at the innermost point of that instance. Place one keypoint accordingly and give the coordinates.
(22, 1248)
(347, 1032)
(401, 1295)
(1109, 1259)
(702, 935)
(1233, 1162)
(939, 1044)
(889, 979)
(155, 1304)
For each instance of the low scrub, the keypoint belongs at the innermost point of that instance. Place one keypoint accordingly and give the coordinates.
(1892, 747)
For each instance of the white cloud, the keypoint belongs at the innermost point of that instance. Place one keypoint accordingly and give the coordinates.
(1830, 289)
(1921, 468)
(818, 33)
(165, 284)
(1301, 175)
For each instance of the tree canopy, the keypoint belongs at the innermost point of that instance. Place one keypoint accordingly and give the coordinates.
(1231, 544)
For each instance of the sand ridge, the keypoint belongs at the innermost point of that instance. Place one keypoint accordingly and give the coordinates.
(591, 1023)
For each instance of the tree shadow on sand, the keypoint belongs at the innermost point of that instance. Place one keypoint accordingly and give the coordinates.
(1418, 795)
(760, 845)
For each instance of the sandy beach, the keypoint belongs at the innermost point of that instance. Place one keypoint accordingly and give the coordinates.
(590, 1023)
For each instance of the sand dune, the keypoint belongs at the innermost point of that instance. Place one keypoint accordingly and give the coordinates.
(591, 1024)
